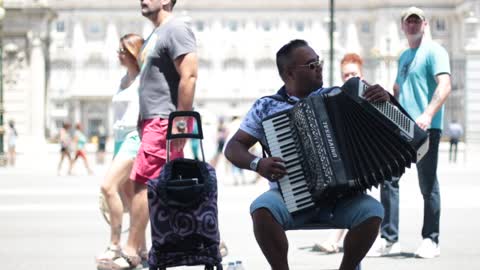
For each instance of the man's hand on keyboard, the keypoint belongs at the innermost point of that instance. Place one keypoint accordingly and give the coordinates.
(271, 168)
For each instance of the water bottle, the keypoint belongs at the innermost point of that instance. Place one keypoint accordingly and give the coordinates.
(231, 266)
(239, 265)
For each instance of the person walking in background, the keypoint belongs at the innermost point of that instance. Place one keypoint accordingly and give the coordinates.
(455, 132)
(115, 185)
(12, 136)
(79, 142)
(65, 141)
(222, 133)
(422, 87)
(167, 83)
(101, 144)
(351, 65)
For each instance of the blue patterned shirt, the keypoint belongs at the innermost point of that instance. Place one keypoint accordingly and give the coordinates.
(264, 107)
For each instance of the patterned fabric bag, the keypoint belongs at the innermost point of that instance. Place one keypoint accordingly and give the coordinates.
(184, 216)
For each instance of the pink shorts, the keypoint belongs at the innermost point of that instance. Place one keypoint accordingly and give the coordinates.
(152, 154)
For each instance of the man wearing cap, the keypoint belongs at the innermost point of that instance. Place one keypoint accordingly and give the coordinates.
(422, 87)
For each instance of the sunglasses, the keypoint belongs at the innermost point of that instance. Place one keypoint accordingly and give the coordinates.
(313, 65)
(122, 51)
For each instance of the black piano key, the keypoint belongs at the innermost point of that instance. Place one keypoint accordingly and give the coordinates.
(304, 201)
(284, 134)
(304, 204)
(289, 150)
(281, 127)
(281, 120)
(300, 191)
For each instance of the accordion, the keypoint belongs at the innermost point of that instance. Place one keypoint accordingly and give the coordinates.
(337, 143)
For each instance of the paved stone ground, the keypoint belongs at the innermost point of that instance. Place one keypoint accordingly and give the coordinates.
(52, 222)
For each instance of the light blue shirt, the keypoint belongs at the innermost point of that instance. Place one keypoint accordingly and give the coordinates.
(417, 69)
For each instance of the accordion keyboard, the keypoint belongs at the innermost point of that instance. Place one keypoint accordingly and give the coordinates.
(282, 144)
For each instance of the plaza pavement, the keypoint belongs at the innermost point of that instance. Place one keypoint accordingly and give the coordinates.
(52, 222)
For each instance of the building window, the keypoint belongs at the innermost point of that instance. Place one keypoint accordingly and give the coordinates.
(95, 31)
(233, 25)
(94, 28)
(204, 64)
(60, 26)
(299, 26)
(266, 26)
(200, 26)
(440, 25)
(365, 27)
(234, 63)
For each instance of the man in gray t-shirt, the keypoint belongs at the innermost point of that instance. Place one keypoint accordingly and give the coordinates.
(159, 78)
(167, 83)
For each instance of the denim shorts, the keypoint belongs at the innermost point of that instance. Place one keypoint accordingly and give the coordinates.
(128, 148)
(344, 213)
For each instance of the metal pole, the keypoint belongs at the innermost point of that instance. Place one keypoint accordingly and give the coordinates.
(2, 130)
(332, 24)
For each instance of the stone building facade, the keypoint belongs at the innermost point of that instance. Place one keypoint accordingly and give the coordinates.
(237, 44)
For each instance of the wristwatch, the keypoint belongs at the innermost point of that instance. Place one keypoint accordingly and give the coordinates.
(254, 164)
(181, 125)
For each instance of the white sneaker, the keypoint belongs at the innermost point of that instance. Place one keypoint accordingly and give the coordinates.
(428, 249)
(382, 247)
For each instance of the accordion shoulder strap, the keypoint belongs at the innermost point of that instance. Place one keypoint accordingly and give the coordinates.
(265, 151)
(282, 96)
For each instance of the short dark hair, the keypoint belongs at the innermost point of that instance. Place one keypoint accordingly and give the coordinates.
(173, 2)
(284, 55)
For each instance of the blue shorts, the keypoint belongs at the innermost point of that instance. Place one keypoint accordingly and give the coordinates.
(128, 148)
(345, 213)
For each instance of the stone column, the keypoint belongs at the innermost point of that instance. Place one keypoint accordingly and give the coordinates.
(472, 95)
(37, 88)
(472, 86)
(77, 112)
(352, 43)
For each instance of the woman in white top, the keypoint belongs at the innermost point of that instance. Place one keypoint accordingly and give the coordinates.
(116, 188)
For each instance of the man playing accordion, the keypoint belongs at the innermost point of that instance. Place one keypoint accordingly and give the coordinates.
(300, 68)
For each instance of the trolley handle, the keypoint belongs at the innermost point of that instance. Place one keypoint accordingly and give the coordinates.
(194, 114)
(197, 135)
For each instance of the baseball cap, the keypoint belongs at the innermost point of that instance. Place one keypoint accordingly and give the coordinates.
(413, 11)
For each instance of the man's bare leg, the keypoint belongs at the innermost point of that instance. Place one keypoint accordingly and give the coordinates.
(271, 238)
(358, 241)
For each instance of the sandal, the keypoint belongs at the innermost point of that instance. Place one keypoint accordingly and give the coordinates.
(223, 249)
(111, 253)
(326, 247)
(144, 256)
(126, 262)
